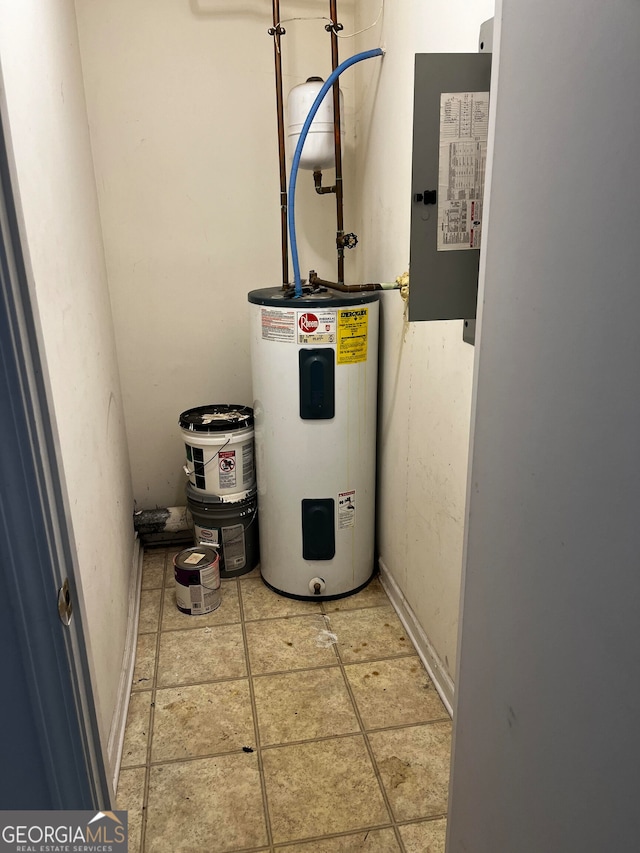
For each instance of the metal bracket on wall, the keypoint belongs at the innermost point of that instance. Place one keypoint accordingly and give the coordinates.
(469, 331)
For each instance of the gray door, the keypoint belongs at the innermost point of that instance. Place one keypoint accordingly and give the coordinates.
(48, 731)
(547, 725)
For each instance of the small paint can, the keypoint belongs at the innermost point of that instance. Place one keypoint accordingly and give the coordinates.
(197, 575)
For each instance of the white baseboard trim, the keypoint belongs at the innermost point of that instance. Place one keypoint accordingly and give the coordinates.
(428, 655)
(119, 720)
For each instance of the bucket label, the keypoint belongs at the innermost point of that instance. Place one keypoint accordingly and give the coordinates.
(353, 326)
(197, 599)
(210, 578)
(233, 547)
(206, 535)
(233, 544)
(278, 324)
(227, 468)
(346, 509)
(316, 327)
(248, 474)
(194, 559)
(200, 478)
(203, 600)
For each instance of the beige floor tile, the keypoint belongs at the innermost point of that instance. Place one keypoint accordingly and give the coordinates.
(205, 719)
(254, 573)
(153, 569)
(149, 611)
(425, 837)
(303, 706)
(373, 595)
(367, 841)
(323, 787)
(201, 654)
(209, 804)
(394, 692)
(260, 602)
(136, 735)
(369, 634)
(214, 803)
(130, 797)
(414, 767)
(154, 557)
(145, 662)
(229, 611)
(296, 642)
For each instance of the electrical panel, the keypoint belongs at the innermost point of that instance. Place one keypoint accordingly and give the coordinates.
(449, 154)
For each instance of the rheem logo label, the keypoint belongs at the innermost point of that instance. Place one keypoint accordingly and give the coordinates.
(308, 323)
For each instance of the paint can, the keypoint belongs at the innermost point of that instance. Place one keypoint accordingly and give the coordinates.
(231, 524)
(218, 440)
(197, 575)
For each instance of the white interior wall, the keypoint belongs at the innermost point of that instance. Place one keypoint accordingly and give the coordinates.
(426, 369)
(181, 102)
(183, 134)
(47, 127)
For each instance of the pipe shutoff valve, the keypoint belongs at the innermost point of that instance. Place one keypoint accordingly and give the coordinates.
(349, 241)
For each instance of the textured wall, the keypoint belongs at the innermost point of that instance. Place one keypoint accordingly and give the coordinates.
(426, 369)
(181, 102)
(47, 125)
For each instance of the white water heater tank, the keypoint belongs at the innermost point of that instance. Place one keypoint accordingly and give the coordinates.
(315, 367)
(319, 146)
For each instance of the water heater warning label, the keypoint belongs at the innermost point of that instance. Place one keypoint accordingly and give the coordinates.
(346, 509)
(316, 327)
(278, 324)
(353, 326)
(302, 327)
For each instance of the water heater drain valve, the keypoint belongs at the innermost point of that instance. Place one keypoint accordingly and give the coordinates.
(317, 586)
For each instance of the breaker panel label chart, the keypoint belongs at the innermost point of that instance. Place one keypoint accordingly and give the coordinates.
(353, 328)
(464, 126)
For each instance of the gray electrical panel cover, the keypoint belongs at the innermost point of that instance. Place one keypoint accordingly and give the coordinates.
(444, 284)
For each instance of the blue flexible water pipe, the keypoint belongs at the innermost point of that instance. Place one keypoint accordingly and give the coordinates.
(291, 196)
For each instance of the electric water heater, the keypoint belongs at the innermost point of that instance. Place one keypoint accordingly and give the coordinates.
(315, 365)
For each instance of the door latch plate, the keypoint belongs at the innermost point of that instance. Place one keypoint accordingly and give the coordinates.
(65, 605)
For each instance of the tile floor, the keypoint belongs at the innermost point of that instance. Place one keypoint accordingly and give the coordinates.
(252, 729)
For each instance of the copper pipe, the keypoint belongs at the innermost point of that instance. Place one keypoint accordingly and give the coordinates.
(333, 28)
(341, 286)
(277, 31)
(317, 180)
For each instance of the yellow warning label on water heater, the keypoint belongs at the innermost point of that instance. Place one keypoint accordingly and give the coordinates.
(353, 325)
